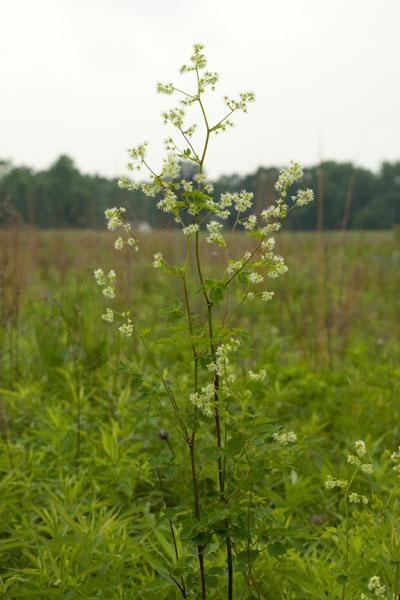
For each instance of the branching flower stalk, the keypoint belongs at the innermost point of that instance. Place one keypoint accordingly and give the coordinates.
(215, 387)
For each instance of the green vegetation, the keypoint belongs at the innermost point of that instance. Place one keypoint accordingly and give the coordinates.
(92, 527)
(148, 454)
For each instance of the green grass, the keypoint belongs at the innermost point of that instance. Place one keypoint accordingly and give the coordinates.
(94, 526)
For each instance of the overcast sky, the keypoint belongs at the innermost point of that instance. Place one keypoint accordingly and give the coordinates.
(78, 77)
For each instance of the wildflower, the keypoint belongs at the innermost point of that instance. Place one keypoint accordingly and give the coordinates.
(260, 376)
(395, 456)
(250, 223)
(357, 498)
(242, 201)
(268, 244)
(226, 200)
(158, 260)
(331, 483)
(353, 460)
(367, 468)
(303, 197)
(285, 438)
(133, 242)
(108, 316)
(199, 178)
(360, 448)
(168, 203)
(100, 277)
(266, 296)
(214, 229)
(250, 296)
(203, 400)
(187, 185)
(190, 229)
(109, 292)
(171, 166)
(288, 176)
(119, 244)
(256, 278)
(209, 188)
(111, 276)
(127, 328)
(374, 585)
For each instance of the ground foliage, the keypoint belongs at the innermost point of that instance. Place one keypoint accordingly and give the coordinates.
(93, 474)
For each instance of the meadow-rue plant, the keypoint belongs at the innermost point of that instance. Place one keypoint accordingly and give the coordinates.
(204, 394)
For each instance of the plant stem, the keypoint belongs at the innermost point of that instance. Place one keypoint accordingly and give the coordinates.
(200, 548)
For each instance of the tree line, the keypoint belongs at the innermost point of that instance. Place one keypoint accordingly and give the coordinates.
(61, 196)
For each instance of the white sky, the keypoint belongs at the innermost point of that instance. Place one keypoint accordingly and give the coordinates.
(78, 77)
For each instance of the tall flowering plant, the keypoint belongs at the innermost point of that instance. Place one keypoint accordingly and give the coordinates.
(225, 452)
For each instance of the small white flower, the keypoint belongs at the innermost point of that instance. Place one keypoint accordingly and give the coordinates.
(331, 483)
(158, 260)
(367, 468)
(285, 438)
(215, 235)
(109, 292)
(190, 229)
(127, 328)
(111, 276)
(256, 278)
(357, 498)
(119, 243)
(108, 316)
(260, 376)
(132, 242)
(360, 448)
(100, 277)
(353, 460)
(266, 296)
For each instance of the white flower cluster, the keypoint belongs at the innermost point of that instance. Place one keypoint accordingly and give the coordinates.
(214, 229)
(361, 450)
(171, 166)
(203, 400)
(374, 585)
(357, 498)
(260, 376)
(266, 296)
(285, 438)
(256, 278)
(303, 197)
(240, 104)
(332, 482)
(103, 280)
(288, 176)
(190, 229)
(236, 265)
(242, 201)
(158, 261)
(127, 328)
(168, 203)
(108, 316)
(250, 223)
(395, 457)
(114, 220)
(220, 208)
(221, 366)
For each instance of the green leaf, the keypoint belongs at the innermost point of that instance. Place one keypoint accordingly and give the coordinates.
(234, 446)
(243, 278)
(277, 550)
(216, 295)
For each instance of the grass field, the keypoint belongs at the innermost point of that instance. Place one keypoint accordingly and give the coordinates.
(82, 512)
